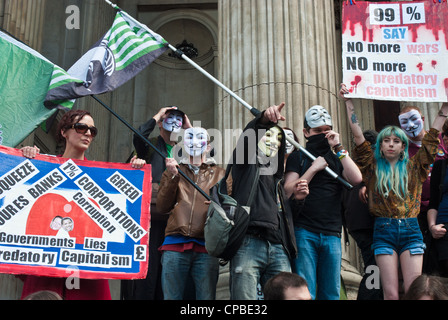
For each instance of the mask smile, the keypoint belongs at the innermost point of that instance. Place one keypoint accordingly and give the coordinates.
(412, 123)
(195, 141)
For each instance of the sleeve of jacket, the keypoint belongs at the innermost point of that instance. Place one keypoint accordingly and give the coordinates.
(167, 195)
(145, 129)
(426, 155)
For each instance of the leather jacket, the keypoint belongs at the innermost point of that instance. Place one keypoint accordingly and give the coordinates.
(185, 205)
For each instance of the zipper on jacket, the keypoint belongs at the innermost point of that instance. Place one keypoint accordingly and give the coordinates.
(192, 206)
(281, 215)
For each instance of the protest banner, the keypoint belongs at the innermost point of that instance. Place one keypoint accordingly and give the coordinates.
(396, 50)
(57, 214)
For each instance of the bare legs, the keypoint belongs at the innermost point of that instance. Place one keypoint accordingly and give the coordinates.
(411, 268)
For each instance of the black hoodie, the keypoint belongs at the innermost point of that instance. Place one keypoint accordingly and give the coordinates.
(265, 219)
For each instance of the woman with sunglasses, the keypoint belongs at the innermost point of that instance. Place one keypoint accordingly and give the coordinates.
(76, 131)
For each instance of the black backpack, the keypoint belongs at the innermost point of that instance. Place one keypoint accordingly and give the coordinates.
(227, 221)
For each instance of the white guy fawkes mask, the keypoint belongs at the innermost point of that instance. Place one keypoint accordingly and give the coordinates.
(289, 146)
(173, 121)
(318, 116)
(411, 122)
(270, 143)
(195, 141)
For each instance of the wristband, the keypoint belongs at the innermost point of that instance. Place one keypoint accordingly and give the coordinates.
(342, 154)
(338, 148)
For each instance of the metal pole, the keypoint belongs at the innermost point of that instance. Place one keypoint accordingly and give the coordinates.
(253, 110)
(151, 145)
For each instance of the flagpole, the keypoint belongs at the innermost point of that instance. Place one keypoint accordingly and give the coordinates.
(151, 145)
(253, 110)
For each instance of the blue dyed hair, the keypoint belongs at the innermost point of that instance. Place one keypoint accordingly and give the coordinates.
(388, 178)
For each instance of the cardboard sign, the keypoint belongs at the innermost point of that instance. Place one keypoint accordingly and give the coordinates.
(396, 50)
(57, 215)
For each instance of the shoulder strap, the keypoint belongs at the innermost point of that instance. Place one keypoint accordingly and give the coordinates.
(254, 187)
(223, 183)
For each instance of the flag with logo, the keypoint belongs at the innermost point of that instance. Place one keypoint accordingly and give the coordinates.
(25, 76)
(125, 50)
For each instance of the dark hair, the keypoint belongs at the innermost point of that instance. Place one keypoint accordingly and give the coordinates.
(370, 136)
(275, 287)
(43, 295)
(68, 120)
(445, 128)
(293, 133)
(427, 285)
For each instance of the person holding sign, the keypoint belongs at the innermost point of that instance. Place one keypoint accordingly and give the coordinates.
(394, 185)
(184, 253)
(76, 131)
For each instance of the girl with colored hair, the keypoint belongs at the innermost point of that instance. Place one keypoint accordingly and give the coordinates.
(394, 186)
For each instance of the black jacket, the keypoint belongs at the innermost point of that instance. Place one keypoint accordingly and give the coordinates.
(152, 157)
(265, 218)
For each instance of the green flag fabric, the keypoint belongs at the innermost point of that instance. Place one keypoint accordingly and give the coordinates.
(125, 50)
(25, 76)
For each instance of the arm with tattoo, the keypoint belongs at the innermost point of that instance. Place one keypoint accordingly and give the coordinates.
(352, 118)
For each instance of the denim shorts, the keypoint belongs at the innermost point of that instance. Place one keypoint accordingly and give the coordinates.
(397, 235)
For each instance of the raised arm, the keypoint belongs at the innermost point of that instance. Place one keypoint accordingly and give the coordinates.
(352, 118)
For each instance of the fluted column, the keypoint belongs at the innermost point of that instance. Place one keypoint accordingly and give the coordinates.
(273, 51)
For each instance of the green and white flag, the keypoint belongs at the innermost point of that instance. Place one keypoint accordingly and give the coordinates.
(124, 51)
(25, 76)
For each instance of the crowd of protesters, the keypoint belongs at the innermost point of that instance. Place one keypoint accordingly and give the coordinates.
(396, 211)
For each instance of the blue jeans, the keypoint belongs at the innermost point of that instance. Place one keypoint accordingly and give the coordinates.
(319, 263)
(178, 266)
(256, 261)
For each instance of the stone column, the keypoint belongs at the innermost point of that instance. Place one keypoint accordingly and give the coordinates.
(277, 51)
(274, 51)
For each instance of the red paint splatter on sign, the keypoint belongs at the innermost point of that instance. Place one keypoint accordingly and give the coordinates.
(436, 14)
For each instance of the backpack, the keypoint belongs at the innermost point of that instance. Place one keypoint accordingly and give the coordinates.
(227, 221)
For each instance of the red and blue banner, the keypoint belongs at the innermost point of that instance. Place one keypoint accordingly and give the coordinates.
(58, 214)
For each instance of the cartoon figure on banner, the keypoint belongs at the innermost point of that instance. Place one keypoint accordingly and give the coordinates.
(66, 227)
(60, 219)
(56, 223)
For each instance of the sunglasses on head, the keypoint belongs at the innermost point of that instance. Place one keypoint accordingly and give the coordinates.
(82, 128)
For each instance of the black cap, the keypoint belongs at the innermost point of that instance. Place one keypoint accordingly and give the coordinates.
(177, 109)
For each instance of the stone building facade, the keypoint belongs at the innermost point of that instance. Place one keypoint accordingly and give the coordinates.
(266, 51)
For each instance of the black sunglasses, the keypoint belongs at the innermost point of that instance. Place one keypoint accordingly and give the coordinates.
(82, 129)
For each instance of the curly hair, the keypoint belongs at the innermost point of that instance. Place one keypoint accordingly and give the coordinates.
(68, 120)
